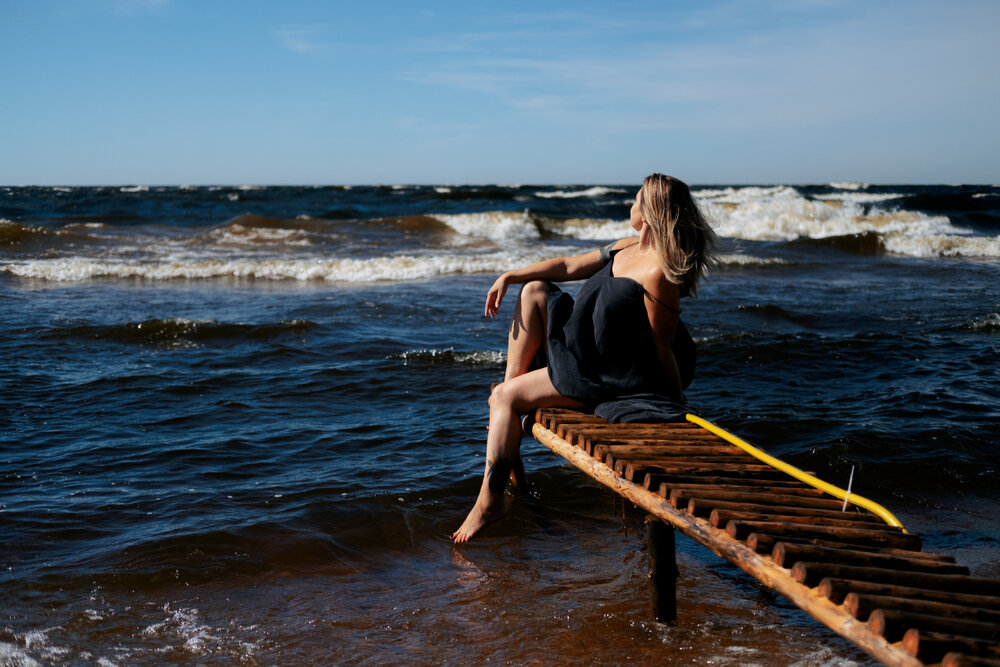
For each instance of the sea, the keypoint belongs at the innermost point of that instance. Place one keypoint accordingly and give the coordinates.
(239, 423)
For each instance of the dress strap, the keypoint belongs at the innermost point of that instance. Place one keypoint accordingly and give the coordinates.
(676, 311)
(608, 252)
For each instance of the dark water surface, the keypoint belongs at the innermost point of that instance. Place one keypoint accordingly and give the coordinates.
(238, 424)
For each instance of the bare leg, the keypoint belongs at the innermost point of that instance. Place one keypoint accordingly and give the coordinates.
(527, 328)
(520, 394)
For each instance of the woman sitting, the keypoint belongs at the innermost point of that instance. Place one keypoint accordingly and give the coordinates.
(621, 336)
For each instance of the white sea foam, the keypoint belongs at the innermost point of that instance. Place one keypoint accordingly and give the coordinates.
(748, 260)
(849, 186)
(591, 229)
(989, 323)
(782, 214)
(236, 234)
(475, 358)
(349, 270)
(943, 245)
(596, 191)
(493, 225)
(135, 188)
(860, 197)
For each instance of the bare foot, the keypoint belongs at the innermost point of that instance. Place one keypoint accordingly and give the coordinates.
(482, 515)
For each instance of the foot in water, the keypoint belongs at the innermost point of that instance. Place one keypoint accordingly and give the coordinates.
(482, 515)
(489, 506)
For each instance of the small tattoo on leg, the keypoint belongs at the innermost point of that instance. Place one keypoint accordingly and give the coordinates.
(497, 474)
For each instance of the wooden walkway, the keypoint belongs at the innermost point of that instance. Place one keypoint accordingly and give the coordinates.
(863, 578)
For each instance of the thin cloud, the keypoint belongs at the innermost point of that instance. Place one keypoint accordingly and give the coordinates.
(306, 41)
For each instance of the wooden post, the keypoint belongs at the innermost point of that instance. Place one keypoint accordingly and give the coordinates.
(662, 569)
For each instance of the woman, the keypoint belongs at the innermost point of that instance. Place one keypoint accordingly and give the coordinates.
(616, 339)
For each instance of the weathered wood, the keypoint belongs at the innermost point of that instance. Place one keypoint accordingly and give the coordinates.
(662, 569)
(787, 554)
(577, 434)
(836, 589)
(761, 543)
(811, 574)
(703, 506)
(681, 498)
(633, 470)
(888, 536)
(860, 605)
(893, 624)
(602, 450)
(663, 482)
(720, 518)
(931, 647)
(590, 439)
(680, 462)
(760, 567)
(962, 660)
(669, 459)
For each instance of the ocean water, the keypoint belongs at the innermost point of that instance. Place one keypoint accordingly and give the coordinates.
(237, 424)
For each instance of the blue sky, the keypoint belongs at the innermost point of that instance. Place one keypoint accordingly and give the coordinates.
(233, 92)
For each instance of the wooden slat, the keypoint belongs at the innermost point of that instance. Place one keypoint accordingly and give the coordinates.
(836, 589)
(681, 498)
(811, 574)
(861, 605)
(867, 536)
(796, 538)
(931, 646)
(893, 625)
(761, 567)
(704, 506)
(662, 483)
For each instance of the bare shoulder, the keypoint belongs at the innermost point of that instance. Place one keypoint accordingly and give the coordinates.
(624, 243)
(662, 290)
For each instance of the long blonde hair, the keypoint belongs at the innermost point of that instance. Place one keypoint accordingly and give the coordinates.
(683, 239)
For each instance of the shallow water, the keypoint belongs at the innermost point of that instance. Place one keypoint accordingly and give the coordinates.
(239, 424)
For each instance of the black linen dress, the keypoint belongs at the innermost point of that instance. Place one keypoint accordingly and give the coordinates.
(600, 346)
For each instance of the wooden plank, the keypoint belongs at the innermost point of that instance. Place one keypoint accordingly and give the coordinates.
(962, 660)
(888, 536)
(703, 506)
(893, 624)
(681, 498)
(787, 554)
(721, 518)
(861, 605)
(932, 647)
(836, 589)
(618, 449)
(812, 574)
(663, 483)
(634, 469)
(758, 566)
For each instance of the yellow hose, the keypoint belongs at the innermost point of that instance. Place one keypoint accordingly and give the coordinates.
(800, 475)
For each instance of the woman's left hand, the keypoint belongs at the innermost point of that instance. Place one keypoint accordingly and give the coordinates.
(495, 295)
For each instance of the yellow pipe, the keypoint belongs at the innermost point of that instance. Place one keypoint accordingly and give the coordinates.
(800, 475)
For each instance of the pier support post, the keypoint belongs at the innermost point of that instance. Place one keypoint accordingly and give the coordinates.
(662, 569)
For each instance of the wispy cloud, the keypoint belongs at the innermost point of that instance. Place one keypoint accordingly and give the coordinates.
(307, 41)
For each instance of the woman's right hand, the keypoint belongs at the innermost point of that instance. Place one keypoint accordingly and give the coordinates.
(495, 295)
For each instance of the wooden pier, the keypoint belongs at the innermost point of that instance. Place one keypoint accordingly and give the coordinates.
(856, 570)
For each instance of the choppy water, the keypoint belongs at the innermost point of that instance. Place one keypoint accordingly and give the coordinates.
(238, 424)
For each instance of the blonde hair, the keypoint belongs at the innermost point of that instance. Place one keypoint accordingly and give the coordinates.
(683, 239)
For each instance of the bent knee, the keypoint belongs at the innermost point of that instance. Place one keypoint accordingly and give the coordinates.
(535, 290)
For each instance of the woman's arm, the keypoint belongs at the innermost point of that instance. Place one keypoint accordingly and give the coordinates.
(555, 269)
